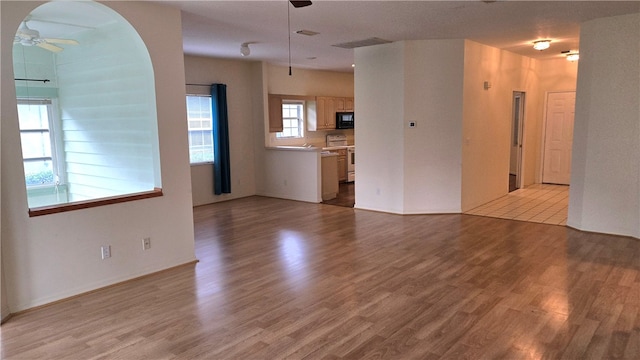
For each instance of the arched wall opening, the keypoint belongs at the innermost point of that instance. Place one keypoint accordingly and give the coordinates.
(86, 105)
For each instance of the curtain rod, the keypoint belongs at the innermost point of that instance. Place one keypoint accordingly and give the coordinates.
(43, 80)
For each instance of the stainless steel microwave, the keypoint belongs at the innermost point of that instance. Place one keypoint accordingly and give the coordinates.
(345, 120)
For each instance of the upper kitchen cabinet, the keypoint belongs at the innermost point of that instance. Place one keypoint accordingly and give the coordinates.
(327, 107)
(275, 113)
(325, 114)
(344, 104)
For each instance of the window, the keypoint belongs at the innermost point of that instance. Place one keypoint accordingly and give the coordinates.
(292, 120)
(38, 122)
(200, 128)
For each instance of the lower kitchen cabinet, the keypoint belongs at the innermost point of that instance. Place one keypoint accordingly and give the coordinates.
(342, 165)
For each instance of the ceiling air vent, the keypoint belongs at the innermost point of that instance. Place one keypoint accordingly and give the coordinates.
(361, 43)
(307, 32)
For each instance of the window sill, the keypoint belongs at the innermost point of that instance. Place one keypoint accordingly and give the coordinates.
(54, 209)
(201, 163)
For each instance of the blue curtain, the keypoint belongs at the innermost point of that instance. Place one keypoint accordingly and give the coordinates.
(221, 164)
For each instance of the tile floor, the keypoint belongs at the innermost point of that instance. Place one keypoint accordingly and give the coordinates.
(540, 203)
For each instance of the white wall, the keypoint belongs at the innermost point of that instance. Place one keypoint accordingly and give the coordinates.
(402, 169)
(379, 130)
(239, 78)
(433, 149)
(51, 257)
(487, 121)
(605, 173)
(309, 82)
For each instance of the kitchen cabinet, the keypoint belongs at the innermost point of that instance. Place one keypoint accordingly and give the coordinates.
(275, 113)
(325, 114)
(329, 176)
(344, 104)
(342, 165)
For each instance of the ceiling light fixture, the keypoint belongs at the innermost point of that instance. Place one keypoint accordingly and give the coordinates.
(289, 32)
(296, 4)
(244, 49)
(541, 44)
(573, 57)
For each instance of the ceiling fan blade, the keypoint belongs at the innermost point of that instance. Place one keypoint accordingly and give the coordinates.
(49, 47)
(61, 41)
(299, 4)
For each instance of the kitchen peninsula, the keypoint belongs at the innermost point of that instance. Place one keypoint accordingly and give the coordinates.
(294, 173)
(304, 173)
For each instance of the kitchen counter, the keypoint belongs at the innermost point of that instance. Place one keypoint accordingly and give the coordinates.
(334, 148)
(295, 148)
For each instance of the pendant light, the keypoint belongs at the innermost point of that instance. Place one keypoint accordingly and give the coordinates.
(295, 4)
(289, 33)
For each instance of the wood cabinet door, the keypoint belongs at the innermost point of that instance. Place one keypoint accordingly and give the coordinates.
(342, 165)
(348, 104)
(329, 113)
(275, 113)
(320, 111)
(342, 168)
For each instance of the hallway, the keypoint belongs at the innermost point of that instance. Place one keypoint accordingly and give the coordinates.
(541, 203)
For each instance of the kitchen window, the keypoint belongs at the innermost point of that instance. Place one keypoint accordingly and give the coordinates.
(292, 120)
(40, 137)
(200, 128)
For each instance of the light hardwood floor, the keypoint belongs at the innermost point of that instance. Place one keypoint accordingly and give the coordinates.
(283, 279)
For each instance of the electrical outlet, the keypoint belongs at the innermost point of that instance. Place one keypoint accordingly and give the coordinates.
(146, 243)
(106, 251)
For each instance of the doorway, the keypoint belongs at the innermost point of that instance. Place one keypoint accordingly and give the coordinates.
(558, 137)
(517, 126)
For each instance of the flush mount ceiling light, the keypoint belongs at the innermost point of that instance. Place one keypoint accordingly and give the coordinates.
(573, 57)
(244, 49)
(541, 44)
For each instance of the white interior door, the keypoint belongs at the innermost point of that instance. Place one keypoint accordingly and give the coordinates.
(515, 165)
(558, 137)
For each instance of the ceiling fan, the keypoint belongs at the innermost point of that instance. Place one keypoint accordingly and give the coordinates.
(30, 37)
(299, 4)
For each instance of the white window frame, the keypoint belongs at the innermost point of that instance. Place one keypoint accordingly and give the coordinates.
(55, 138)
(300, 119)
(210, 129)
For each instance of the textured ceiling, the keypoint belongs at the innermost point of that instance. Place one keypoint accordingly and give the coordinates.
(217, 28)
